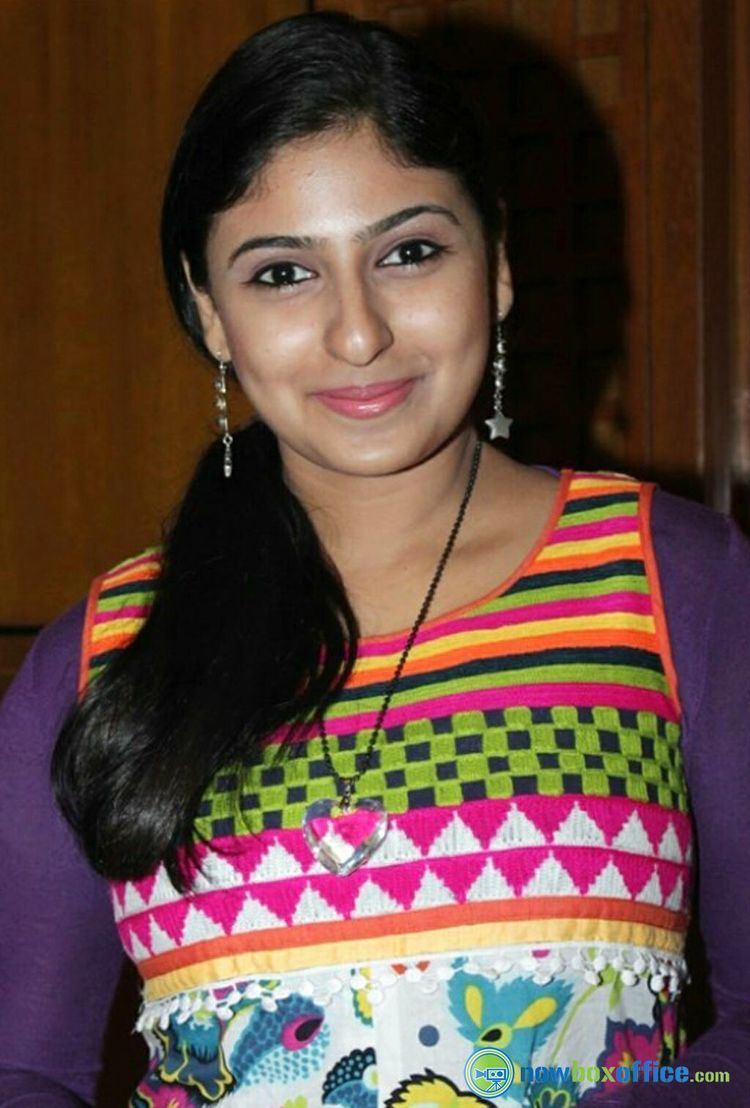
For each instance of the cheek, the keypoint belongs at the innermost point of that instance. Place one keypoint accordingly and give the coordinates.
(265, 349)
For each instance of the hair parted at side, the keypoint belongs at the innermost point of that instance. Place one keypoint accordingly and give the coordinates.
(247, 603)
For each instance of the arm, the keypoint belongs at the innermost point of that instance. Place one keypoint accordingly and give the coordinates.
(60, 956)
(704, 568)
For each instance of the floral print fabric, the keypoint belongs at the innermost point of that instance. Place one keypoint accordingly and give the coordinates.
(307, 1042)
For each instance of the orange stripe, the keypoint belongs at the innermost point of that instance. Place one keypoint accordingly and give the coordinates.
(637, 639)
(111, 642)
(427, 919)
(144, 572)
(657, 598)
(86, 637)
(595, 487)
(583, 559)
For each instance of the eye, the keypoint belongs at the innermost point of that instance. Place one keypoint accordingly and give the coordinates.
(281, 275)
(412, 253)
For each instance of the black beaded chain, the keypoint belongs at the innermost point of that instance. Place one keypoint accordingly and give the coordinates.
(347, 785)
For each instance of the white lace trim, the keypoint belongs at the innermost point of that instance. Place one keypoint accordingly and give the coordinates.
(633, 964)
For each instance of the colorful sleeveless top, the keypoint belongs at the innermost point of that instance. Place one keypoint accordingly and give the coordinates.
(522, 923)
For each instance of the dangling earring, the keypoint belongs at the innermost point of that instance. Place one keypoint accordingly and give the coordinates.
(222, 421)
(499, 425)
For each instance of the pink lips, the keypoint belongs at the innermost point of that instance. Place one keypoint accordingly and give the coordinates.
(366, 401)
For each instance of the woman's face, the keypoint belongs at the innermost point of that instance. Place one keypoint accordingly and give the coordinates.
(342, 270)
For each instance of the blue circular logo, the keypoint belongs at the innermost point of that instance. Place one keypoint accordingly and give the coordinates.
(489, 1072)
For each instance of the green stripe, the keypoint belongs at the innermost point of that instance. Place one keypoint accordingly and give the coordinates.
(521, 599)
(595, 515)
(573, 674)
(112, 604)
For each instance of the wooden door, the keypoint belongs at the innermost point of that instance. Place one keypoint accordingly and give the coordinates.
(105, 407)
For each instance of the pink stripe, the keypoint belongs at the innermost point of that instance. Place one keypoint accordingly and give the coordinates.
(524, 696)
(628, 602)
(518, 865)
(423, 826)
(143, 559)
(622, 525)
(122, 613)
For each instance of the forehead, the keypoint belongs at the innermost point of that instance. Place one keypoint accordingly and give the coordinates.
(333, 183)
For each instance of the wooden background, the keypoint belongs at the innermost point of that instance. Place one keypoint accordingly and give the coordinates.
(623, 124)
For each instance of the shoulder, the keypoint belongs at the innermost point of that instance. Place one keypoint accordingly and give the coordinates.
(119, 603)
(142, 568)
(689, 537)
(48, 676)
(703, 562)
(44, 687)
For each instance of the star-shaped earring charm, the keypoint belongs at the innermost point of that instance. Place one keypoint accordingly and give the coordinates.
(499, 426)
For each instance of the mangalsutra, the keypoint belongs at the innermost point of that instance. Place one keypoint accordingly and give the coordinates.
(343, 833)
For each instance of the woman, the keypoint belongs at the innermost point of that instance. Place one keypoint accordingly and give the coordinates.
(388, 755)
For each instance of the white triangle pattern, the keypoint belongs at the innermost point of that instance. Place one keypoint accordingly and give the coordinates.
(198, 927)
(651, 891)
(137, 948)
(163, 891)
(675, 899)
(312, 908)
(160, 940)
(632, 837)
(254, 916)
(669, 847)
(216, 873)
(455, 838)
(517, 830)
(396, 847)
(432, 892)
(133, 902)
(610, 883)
(579, 829)
(374, 901)
(277, 864)
(550, 879)
(490, 885)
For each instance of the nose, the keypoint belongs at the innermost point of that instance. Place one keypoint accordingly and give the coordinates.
(357, 330)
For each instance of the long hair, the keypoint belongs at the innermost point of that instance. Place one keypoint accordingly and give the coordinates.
(251, 629)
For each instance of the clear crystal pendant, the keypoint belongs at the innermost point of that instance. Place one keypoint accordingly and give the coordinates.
(342, 835)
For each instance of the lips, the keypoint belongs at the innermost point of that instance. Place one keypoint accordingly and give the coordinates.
(367, 401)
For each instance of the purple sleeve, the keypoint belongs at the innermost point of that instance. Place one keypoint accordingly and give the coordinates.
(60, 957)
(704, 568)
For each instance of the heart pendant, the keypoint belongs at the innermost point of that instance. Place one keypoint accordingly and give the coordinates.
(341, 839)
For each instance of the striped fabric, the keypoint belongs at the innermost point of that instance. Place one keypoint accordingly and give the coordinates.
(531, 769)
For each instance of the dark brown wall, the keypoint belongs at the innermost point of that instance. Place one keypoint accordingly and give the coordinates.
(624, 129)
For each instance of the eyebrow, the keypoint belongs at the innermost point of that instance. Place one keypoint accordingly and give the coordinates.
(308, 242)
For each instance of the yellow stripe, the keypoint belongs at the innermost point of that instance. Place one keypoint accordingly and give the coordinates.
(581, 547)
(626, 483)
(397, 947)
(608, 621)
(116, 627)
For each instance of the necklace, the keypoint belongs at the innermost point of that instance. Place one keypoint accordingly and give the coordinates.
(343, 833)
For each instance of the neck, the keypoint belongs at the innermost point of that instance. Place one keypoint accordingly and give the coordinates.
(370, 522)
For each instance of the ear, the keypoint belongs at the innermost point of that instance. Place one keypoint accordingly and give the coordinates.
(504, 282)
(213, 329)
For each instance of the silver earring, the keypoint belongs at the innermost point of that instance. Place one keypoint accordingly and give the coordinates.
(499, 424)
(222, 420)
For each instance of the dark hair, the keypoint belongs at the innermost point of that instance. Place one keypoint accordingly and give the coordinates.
(247, 602)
